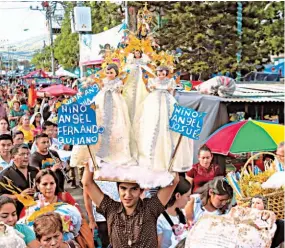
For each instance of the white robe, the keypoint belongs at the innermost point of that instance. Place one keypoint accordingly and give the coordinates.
(155, 141)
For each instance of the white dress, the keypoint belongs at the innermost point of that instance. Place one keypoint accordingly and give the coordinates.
(135, 90)
(155, 141)
(114, 144)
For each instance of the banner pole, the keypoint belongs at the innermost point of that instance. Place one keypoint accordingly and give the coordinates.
(174, 153)
(93, 161)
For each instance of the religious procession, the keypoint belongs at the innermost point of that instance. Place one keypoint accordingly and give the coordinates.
(138, 154)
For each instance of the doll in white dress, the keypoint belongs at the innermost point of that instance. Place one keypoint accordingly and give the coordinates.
(135, 90)
(155, 141)
(114, 145)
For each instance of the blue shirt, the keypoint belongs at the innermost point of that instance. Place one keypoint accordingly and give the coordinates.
(24, 107)
(27, 232)
(4, 164)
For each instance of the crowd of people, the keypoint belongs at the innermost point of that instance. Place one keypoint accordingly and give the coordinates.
(119, 214)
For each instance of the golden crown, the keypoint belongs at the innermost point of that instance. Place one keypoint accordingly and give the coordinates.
(144, 15)
(134, 44)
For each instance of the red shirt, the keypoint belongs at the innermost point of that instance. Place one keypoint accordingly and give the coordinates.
(202, 175)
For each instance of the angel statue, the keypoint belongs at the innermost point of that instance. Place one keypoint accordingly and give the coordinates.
(135, 90)
(114, 145)
(155, 141)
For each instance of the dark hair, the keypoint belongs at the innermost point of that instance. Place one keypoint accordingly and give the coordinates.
(113, 66)
(16, 101)
(5, 200)
(218, 185)
(45, 172)
(47, 124)
(6, 137)
(42, 135)
(34, 122)
(182, 188)
(55, 125)
(118, 184)
(5, 119)
(264, 200)
(17, 133)
(16, 149)
(140, 51)
(23, 101)
(204, 148)
(47, 223)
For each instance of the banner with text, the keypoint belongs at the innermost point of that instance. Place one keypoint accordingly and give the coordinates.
(77, 124)
(85, 96)
(186, 121)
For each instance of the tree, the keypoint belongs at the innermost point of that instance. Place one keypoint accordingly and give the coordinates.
(42, 59)
(105, 15)
(206, 32)
(66, 46)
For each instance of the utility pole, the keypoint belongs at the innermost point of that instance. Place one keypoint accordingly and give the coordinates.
(81, 68)
(49, 15)
(49, 12)
(126, 13)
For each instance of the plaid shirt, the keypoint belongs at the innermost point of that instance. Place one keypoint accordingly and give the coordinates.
(136, 230)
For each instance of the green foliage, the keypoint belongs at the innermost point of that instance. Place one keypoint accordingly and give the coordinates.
(66, 45)
(42, 59)
(105, 15)
(207, 34)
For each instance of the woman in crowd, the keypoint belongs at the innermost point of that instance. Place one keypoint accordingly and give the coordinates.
(171, 224)
(48, 191)
(204, 171)
(18, 138)
(36, 121)
(15, 114)
(27, 129)
(4, 126)
(47, 187)
(8, 215)
(213, 198)
(49, 232)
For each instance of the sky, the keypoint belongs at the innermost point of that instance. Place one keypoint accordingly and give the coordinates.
(16, 17)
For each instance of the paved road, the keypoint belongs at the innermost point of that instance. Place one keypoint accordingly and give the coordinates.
(77, 194)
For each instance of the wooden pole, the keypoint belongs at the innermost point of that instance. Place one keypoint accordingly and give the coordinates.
(174, 153)
(93, 160)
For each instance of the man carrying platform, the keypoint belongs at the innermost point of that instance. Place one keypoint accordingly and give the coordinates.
(131, 222)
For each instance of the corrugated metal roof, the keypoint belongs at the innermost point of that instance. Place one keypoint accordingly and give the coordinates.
(253, 99)
(258, 93)
(255, 93)
(261, 88)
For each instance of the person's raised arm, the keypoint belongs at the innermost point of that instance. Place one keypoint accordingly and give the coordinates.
(189, 210)
(165, 194)
(91, 188)
(89, 210)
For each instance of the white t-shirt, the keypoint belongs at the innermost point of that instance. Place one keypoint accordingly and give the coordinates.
(169, 239)
(199, 210)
